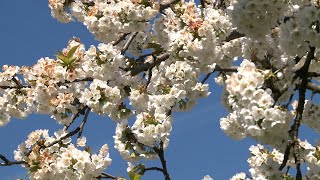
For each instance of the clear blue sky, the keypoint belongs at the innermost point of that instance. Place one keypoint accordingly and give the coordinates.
(198, 147)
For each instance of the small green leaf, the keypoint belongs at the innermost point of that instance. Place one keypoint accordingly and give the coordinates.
(63, 58)
(157, 47)
(72, 51)
(134, 176)
(72, 61)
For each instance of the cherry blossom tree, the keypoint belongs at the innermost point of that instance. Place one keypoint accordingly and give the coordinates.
(155, 58)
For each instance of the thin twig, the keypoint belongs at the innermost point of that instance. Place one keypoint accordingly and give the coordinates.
(106, 176)
(294, 131)
(84, 122)
(19, 85)
(154, 169)
(13, 87)
(167, 5)
(75, 131)
(149, 77)
(206, 78)
(313, 74)
(313, 87)
(218, 68)
(4, 158)
(234, 35)
(129, 41)
(286, 156)
(74, 117)
(160, 153)
(203, 4)
(76, 80)
(149, 65)
(122, 37)
(10, 163)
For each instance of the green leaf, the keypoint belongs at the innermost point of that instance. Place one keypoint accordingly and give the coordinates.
(72, 61)
(64, 59)
(157, 47)
(72, 51)
(60, 54)
(134, 176)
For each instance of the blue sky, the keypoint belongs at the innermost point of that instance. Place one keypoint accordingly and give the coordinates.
(198, 147)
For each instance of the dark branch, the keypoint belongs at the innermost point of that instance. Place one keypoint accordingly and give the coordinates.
(234, 35)
(294, 131)
(126, 46)
(313, 87)
(122, 37)
(84, 122)
(167, 5)
(160, 153)
(218, 68)
(154, 169)
(106, 176)
(10, 163)
(203, 3)
(149, 65)
(75, 131)
(74, 117)
(13, 87)
(313, 74)
(76, 80)
(286, 156)
(19, 85)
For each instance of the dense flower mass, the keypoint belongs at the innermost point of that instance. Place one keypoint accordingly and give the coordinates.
(256, 18)
(154, 59)
(46, 159)
(265, 163)
(253, 111)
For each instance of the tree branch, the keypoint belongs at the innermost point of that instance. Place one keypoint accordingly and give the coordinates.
(126, 46)
(234, 35)
(294, 132)
(218, 68)
(313, 87)
(10, 163)
(84, 122)
(149, 65)
(122, 37)
(106, 176)
(154, 169)
(74, 117)
(167, 5)
(313, 74)
(160, 153)
(75, 131)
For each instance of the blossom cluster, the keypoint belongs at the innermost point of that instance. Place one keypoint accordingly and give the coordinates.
(194, 35)
(125, 76)
(58, 10)
(300, 31)
(255, 18)
(46, 159)
(311, 114)
(253, 112)
(107, 20)
(96, 78)
(265, 163)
